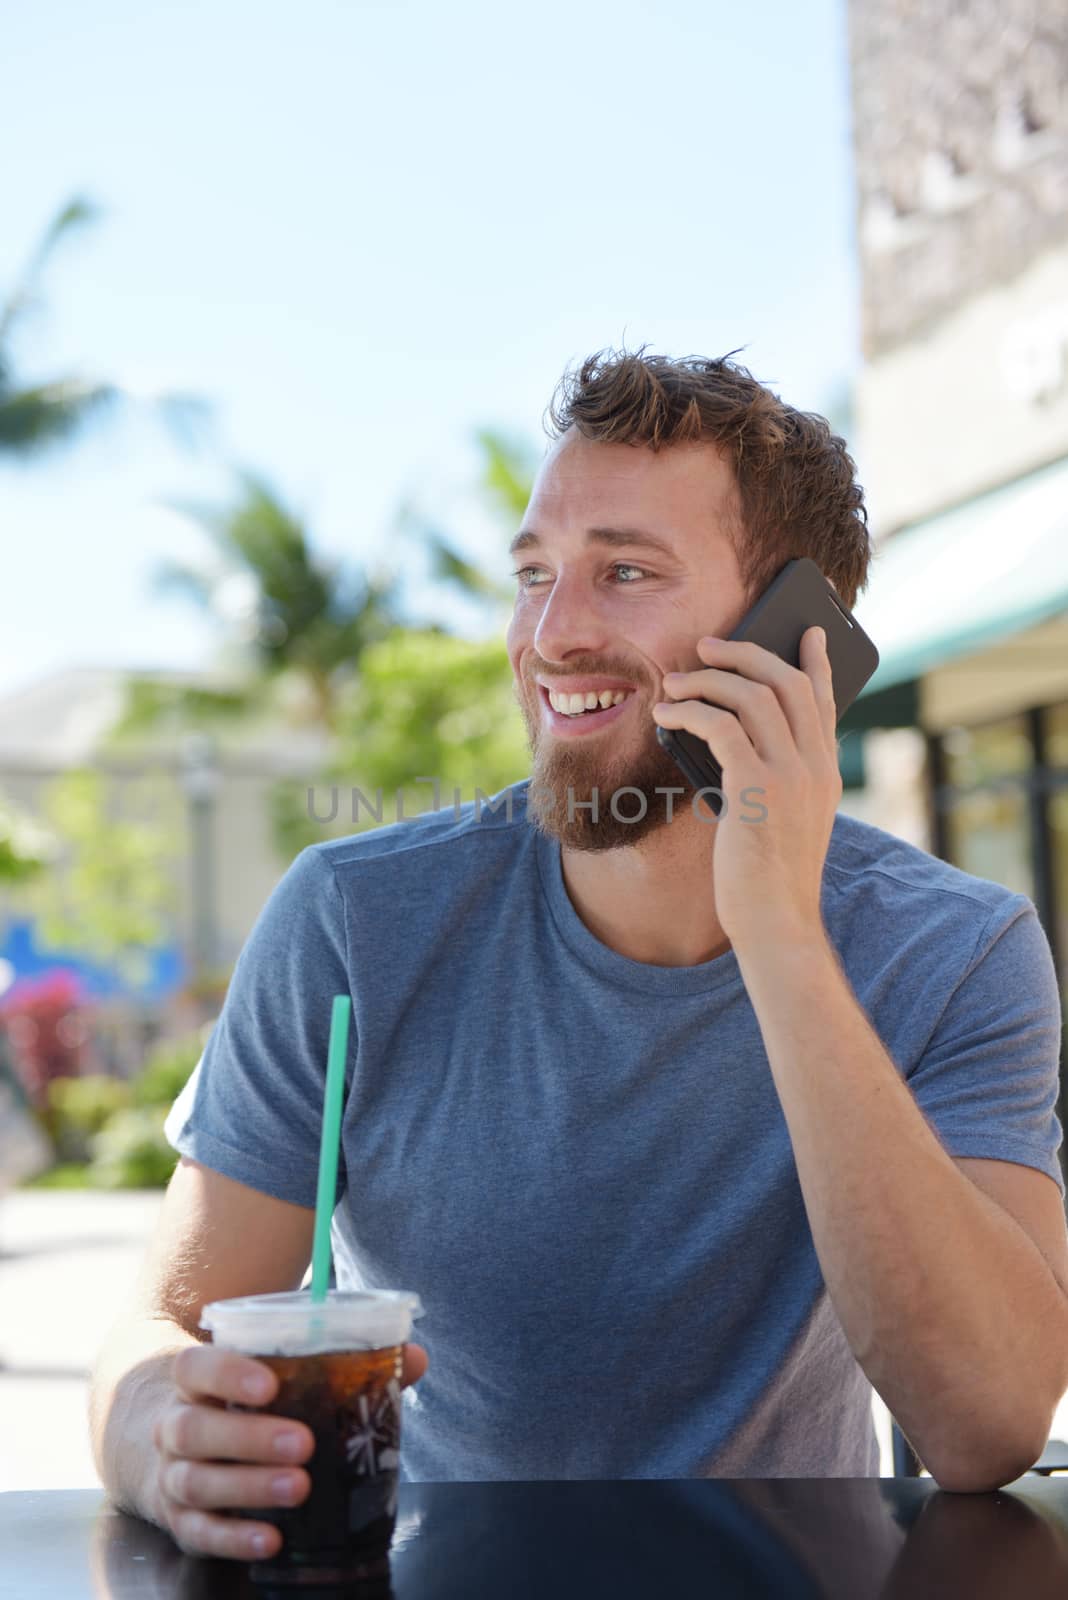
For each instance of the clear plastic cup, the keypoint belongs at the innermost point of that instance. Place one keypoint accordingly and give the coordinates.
(338, 1364)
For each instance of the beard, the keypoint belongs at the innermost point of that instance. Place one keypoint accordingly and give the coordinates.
(568, 775)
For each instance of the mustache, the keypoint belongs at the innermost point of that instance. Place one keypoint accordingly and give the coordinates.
(585, 672)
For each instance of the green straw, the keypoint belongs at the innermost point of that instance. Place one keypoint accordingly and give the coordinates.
(328, 1145)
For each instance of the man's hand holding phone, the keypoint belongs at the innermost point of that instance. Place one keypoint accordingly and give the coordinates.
(771, 728)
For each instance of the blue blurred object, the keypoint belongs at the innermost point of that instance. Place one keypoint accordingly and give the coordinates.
(168, 972)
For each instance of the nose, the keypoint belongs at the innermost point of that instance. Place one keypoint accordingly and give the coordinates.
(570, 621)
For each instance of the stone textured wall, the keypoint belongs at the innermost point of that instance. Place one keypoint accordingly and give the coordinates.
(960, 130)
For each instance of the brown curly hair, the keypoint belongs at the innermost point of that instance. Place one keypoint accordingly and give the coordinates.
(797, 491)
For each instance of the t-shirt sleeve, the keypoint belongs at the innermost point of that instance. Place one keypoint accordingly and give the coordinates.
(988, 1080)
(252, 1109)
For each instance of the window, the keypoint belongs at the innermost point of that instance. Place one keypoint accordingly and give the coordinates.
(989, 834)
(1000, 749)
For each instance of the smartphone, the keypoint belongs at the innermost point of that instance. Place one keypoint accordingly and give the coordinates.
(799, 597)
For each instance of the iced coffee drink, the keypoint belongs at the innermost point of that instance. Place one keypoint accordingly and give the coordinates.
(338, 1364)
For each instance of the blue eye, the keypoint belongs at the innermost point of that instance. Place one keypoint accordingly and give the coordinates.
(626, 566)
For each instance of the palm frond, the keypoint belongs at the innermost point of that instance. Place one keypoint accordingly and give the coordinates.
(188, 418)
(175, 578)
(33, 418)
(508, 472)
(77, 213)
(449, 566)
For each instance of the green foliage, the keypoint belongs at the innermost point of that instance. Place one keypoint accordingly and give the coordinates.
(166, 1072)
(154, 707)
(67, 1175)
(295, 612)
(114, 897)
(131, 1152)
(447, 565)
(34, 416)
(25, 847)
(108, 1132)
(427, 705)
(508, 471)
(292, 827)
(49, 413)
(401, 703)
(78, 1108)
(430, 704)
(509, 466)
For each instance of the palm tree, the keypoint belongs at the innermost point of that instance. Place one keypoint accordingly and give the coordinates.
(290, 613)
(506, 480)
(35, 416)
(32, 417)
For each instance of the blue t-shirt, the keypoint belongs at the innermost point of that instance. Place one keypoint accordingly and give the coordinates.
(579, 1161)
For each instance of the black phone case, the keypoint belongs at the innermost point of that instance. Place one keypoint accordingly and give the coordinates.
(798, 598)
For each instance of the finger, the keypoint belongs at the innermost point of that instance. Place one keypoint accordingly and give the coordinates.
(205, 1372)
(793, 687)
(207, 1433)
(823, 683)
(756, 705)
(232, 1538)
(721, 731)
(213, 1486)
(416, 1362)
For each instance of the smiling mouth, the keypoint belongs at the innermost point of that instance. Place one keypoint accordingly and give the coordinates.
(587, 721)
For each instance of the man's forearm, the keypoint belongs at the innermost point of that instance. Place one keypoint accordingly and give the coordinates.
(947, 1304)
(130, 1387)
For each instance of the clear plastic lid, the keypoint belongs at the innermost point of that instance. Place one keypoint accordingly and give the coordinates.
(295, 1325)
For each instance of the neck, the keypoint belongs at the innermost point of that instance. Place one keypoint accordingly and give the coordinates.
(652, 901)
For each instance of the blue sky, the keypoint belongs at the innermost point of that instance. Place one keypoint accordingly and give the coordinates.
(365, 230)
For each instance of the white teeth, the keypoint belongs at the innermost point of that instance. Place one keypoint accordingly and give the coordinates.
(573, 704)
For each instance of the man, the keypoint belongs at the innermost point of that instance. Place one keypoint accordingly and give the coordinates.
(685, 1130)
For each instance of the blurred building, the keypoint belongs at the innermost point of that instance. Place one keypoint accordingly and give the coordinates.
(960, 118)
(226, 862)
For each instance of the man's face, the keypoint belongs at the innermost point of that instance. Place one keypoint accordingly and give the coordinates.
(591, 614)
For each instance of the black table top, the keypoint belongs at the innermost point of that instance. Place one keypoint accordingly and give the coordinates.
(781, 1537)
